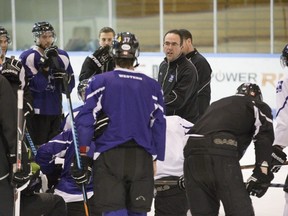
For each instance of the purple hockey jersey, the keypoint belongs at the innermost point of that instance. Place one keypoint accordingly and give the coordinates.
(46, 90)
(134, 104)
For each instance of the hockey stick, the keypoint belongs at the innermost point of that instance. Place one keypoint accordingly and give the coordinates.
(251, 166)
(30, 141)
(279, 185)
(18, 166)
(53, 56)
(175, 182)
(34, 151)
(75, 141)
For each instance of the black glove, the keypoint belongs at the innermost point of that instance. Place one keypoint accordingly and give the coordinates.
(82, 176)
(46, 59)
(21, 177)
(278, 158)
(51, 52)
(11, 70)
(53, 178)
(101, 125)
(45, 62)
(101, 56)
(181, 182)
(34, 185)
(258, 183)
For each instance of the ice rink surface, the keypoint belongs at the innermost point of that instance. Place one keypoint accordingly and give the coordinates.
(272, 203)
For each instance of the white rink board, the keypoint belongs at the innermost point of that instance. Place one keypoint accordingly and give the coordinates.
(229, 71)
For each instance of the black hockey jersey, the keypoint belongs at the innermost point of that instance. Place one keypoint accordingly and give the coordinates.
(244, 118)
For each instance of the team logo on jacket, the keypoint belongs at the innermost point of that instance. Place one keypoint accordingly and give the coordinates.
(171, 78)
(220, 141)
(279, 86)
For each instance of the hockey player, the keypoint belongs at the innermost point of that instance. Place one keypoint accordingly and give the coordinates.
(281, 130)
(123, 154)
(8, 140)
(45, 65)
(14, 72)
(203, 69)
(62, 146)
(178, 78)
(34, 204)
(171, 199)
(101, 60)
(217, 142)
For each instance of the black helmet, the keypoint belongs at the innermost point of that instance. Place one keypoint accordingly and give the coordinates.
(4, 32)
(284, 57)
(125, 45)
(82, 88)
(250, 89)
(41, 27)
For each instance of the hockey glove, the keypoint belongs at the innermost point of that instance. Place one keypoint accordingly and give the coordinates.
(181, 182)
(51, 52)
(59, 74)
(11, 70)
(258, 183)
(101, 125)
(278, 158)
(101, 56)
(45, 62)
(82, 176)
(53, 178)
(34, 185)
(20, 177)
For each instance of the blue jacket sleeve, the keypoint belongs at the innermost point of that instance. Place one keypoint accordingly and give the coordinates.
(86, 118)
(47, 152)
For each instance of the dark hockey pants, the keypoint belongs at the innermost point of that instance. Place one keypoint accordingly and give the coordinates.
(212, 173)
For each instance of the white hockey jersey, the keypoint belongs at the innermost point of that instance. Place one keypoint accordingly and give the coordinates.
(281, 129)
(176, 128)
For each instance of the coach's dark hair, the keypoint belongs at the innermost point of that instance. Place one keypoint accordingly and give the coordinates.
(177, 32)
(186, 34)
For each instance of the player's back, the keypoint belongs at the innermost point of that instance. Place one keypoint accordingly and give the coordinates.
(129, 99)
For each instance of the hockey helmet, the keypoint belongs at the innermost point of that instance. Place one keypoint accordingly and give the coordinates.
(4, 32)
(125, 45)
(250, 89)
(40, 28)
(82, 88)
(284, 57)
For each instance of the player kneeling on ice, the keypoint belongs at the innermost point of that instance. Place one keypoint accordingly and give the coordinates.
(65, 182)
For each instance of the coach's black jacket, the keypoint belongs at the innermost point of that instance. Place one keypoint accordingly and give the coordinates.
(204, 73)
(179, 81)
